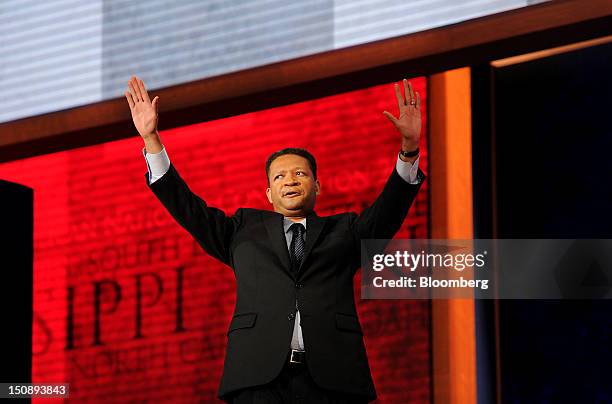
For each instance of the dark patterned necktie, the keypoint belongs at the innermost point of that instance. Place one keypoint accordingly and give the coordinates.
(297, 245)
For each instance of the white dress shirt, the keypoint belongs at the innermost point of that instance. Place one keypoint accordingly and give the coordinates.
(159, 163)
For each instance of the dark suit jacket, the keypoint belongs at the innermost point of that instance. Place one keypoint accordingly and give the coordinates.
(252, 243)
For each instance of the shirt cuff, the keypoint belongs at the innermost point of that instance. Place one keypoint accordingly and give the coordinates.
(157, 163)
(408, 171)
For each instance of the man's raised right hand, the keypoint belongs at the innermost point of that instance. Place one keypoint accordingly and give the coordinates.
(144, 112)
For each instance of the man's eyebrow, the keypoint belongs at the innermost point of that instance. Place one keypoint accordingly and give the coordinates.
(282, 171)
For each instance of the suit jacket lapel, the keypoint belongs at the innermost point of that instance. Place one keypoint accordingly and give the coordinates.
(314, 226)
(274, 226)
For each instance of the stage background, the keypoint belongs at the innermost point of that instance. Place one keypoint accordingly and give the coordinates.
(128, 308)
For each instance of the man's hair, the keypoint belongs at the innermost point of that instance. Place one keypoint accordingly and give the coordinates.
(292, 150)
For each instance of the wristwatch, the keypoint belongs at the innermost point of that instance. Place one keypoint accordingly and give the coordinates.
(409, 153)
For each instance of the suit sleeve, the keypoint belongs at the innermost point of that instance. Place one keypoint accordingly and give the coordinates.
(383, 218)
(210, 227)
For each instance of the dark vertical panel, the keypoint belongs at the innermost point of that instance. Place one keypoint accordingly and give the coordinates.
(553, 137)
(483, 200)
(16, 263)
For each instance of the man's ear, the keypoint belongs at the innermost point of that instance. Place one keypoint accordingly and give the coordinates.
(269, 194)
(317, 187)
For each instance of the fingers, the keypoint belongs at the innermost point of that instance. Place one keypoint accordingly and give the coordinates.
(156, 103)
(136, 86)
(143, 91)
(129, 98)
(408, 91)
(134, 90)
(411, 99)
(408, 98)
(400, 99)
(137, 91)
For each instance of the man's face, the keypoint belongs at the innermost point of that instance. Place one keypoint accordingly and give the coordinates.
(293, 188)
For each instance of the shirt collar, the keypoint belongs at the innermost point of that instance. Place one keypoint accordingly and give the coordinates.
(288, 222)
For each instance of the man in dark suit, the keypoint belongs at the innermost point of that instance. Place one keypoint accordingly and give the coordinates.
(295, 335)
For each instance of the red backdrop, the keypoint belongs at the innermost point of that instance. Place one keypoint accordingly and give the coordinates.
(128, 308)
